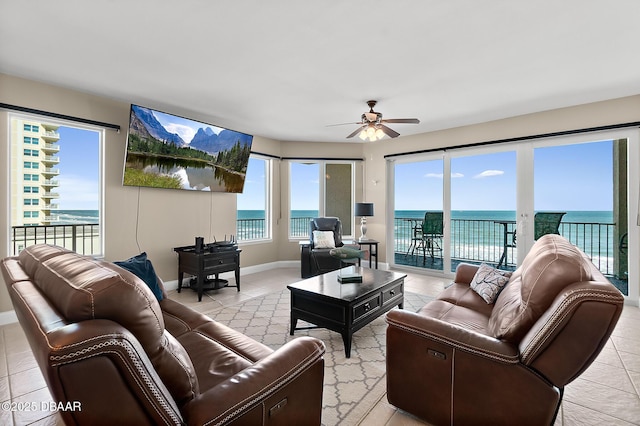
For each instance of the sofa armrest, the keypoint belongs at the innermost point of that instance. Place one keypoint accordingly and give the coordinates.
(451, 335)
(102, 351)
(465, 273)
(287, 384)
(305, 259)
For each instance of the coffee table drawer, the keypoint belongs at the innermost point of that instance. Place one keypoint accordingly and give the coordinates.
(366, 307)
(392, 293)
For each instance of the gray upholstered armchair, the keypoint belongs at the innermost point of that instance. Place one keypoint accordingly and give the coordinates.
(325, 233)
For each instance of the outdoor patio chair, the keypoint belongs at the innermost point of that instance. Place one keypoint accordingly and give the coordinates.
(543, 223)
(431, 235)
(547, 223)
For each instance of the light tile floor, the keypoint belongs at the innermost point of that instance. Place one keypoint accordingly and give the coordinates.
(607, 393)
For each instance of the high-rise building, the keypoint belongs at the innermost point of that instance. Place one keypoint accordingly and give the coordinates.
(34, 172)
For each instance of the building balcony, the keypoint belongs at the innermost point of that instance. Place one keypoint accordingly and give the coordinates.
(50, 147)
(50, 206)
(51, 172)
(50, 195)
(51, 182)
(51, 159)
(50, 136)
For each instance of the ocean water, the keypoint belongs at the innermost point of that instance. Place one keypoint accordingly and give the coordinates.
(70, 217)
(498, 215)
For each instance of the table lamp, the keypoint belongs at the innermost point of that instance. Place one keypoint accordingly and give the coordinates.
(363, 210)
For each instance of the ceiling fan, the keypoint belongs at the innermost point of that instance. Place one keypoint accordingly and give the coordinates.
(372, 126)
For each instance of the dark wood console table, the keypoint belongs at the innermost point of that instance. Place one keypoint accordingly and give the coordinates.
(211, 261)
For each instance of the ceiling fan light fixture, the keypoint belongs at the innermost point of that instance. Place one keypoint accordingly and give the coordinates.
(373, 126)
(371, 132)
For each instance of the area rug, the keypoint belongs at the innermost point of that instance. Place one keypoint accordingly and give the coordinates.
(352, 386)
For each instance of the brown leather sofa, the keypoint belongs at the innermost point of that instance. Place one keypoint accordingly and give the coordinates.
(462, 361)
(106, 345)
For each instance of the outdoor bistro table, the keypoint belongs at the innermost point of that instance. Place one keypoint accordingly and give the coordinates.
(415, 224)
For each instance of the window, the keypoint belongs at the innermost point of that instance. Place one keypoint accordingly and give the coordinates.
(320, 188)
(253, 205)
(71, 176)
(498, 200)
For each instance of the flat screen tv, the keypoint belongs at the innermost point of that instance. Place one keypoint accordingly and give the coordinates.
(168, 151)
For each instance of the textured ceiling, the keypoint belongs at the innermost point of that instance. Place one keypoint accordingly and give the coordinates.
(285, 69)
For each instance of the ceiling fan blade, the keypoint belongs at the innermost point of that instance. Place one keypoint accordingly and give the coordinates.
(355, 132)
(343, 124)
(389, 132)
(402, 120)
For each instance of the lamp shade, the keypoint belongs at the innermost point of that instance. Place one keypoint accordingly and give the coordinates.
(364, 209)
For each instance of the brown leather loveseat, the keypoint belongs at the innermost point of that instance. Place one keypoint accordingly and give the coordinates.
(104, 342)
(461, 360)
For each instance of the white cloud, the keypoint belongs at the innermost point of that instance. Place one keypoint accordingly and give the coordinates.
(185, 132)
(489, 173)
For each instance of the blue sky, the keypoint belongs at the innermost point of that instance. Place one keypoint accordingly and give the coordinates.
(79, 174)
(253, 195)
(569, 177)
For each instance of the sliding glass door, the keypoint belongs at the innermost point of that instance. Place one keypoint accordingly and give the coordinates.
(496, 201)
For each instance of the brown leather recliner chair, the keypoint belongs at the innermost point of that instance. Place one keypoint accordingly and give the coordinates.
(462, 361)
(108, 347)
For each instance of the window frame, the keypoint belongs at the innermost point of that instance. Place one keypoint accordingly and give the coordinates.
(34, 166)
(268, 208)
(322, 202)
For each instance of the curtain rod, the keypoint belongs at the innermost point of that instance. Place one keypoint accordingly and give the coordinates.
(266, 155)
(521, 138)
(321, 158)
(60, 116)
(305, 158)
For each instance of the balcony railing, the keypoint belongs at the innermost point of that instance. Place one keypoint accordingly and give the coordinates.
(299, 226)
(250, 229)
(484, 241)
(51, 147)
(254, 229)
(83, 238)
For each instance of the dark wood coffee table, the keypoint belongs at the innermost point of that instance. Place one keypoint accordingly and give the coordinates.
(345, 308)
